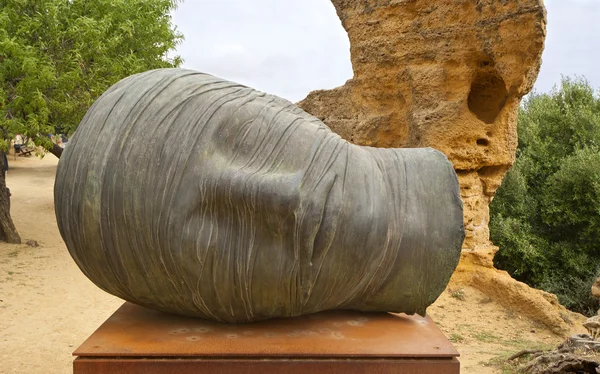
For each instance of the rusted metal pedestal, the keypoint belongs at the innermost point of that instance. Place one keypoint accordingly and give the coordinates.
(139, 340)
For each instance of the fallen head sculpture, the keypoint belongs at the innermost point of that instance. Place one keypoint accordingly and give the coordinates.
(193, 195)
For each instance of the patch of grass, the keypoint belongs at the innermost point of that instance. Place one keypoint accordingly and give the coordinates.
(485, 301)
(520, 344)
(565, 317)
(500, 348)
(501, 362)
(459, 294)
(12, 254)
(456, 338)
(506, 367)
(487, 337)
(463, 328)
(11, 272)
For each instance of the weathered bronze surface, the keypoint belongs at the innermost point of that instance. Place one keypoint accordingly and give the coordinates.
(139, 340)
(189, 194)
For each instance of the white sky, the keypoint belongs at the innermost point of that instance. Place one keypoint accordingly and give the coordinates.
(291, 47)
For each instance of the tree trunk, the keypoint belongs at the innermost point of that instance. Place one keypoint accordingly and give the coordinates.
(56, 150)
(8, 232)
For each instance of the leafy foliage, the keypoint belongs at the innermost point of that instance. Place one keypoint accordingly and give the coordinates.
(58, 56)
(546, 215)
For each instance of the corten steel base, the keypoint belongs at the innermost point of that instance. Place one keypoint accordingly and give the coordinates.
(139, 340)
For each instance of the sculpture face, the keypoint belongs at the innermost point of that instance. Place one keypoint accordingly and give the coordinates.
(193, 195)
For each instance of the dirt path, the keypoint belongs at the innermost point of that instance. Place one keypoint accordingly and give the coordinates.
(48, 307)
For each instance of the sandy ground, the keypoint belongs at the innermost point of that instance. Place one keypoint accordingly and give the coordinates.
(48, 307)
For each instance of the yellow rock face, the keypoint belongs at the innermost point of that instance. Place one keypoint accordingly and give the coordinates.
(448, 74)
(596, 290)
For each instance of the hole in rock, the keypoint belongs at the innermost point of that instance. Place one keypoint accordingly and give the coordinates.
(286, 48)
(483, 142)
(488, 96)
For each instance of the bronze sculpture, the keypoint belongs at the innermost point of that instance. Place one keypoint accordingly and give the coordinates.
(193, 195)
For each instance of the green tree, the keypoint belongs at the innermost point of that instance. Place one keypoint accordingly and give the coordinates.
(58, 56)
(546, 215)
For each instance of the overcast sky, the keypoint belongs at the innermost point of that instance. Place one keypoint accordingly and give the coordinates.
(291, 47)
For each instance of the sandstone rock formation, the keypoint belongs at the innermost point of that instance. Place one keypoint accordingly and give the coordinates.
(596, 289)
(446, 74)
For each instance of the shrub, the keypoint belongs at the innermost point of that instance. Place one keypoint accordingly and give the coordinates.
(545, 216)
